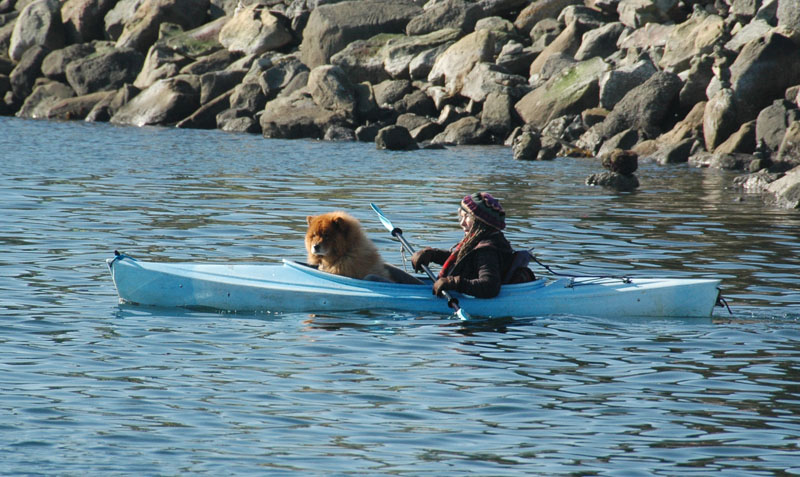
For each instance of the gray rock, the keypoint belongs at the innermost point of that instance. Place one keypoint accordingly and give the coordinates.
(160, 63)
(218, 82)
(487, 78)
(206, 115)
(331, 89)
(785, 192)
(121, 14)
(421, 65)
(720, 119)
(789, 15)
(613, 180)
(248, 96)
(763, 71)
(399, 52)
(615, 84)
(515, 58)
(455, 14)
(83, 19)
(416, 102)
(750, 32)
(731, 162)
(743, 140)
(367, 133)
(106, 70)
(339, 133)
(771, 124)
(674, 153)
(254, 30)
(624, 140)
(395, 138)
(526, 146)
(600, 41)
(697, 80)
(390, 91)
(104, 109)
(427, 131)
(645, 108)
(540, 10)
(566, 43)
(298, 116)
(332, 27)
(571, 92)
(452, 66)
(38, 103)
(696, 36)
(165, 102)
(55, 63)
(77, 107)
(217, 61)
(236, 120)
(38, 24)
(636, 13)
(141, 32)
(498, 114)
(789, 151)
(466, 130)
(282, 71)
(24, 75)
(757, 182)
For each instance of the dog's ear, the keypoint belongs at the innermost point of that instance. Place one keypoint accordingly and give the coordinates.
(309, 218)
(338, 222)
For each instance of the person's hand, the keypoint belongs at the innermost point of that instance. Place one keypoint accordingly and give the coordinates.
(445, 283)
(421, 257)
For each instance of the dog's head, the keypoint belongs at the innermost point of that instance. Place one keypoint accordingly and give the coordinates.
(329, 235)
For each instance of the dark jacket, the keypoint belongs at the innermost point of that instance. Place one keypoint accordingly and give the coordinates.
(481, 270)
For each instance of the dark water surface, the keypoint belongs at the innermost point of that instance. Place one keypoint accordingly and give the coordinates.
(88, 386)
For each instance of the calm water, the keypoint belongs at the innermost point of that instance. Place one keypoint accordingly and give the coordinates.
(88, 386)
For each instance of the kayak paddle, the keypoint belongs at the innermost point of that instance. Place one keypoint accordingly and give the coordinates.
(396, 232)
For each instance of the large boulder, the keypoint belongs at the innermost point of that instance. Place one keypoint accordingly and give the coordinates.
(566, 43)
(395, 138)
(600, 41)
(647, 108)
(38, 24)
(105, 109)
(399, 52)
(77, 107)
(165, 102)
(24, 75)
(697, 80)
(789, 151)
(694, 37)
(121, 14)
(332, 27)
(772, 122)
(720, 119)
(785, 192)
(498, 114)
(540, 10)
(160, 63)
(106, 70)
(571, 92)
(363, 60)
(38, 103)
(451, 14)
(255, 30)
(615, 84)
(763, 71)
(456, 62)
(142, 30)
(788, 14)
(55, 63)
(84, 19)
(332, 90)
(468, 130)
(298, 116)
(487, 78)
(636, 13)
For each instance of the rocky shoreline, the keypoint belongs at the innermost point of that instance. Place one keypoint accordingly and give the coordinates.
(715, 83)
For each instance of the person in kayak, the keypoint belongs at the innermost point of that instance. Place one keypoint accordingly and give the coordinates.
(483, 260)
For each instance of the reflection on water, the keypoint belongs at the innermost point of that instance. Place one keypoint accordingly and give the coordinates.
(91, 386)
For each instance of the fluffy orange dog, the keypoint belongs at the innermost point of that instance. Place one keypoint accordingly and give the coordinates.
(336, 243)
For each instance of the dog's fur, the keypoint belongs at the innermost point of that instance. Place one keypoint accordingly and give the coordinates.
(336, 244)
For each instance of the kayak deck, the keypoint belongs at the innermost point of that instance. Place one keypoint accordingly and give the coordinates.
(295, 287)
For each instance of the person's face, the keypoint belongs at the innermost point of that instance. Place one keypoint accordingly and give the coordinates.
(465, 220)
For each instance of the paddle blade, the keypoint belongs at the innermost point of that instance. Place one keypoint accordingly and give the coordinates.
(463, 315)
(386, 223)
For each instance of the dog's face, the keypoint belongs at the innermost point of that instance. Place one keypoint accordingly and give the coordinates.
(327, 235)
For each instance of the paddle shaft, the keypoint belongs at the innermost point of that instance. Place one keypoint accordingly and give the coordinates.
(451, 302)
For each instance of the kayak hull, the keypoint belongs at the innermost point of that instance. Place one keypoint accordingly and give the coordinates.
(294, 287)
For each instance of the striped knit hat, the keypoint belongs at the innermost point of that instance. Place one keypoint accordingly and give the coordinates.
(485, 208)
